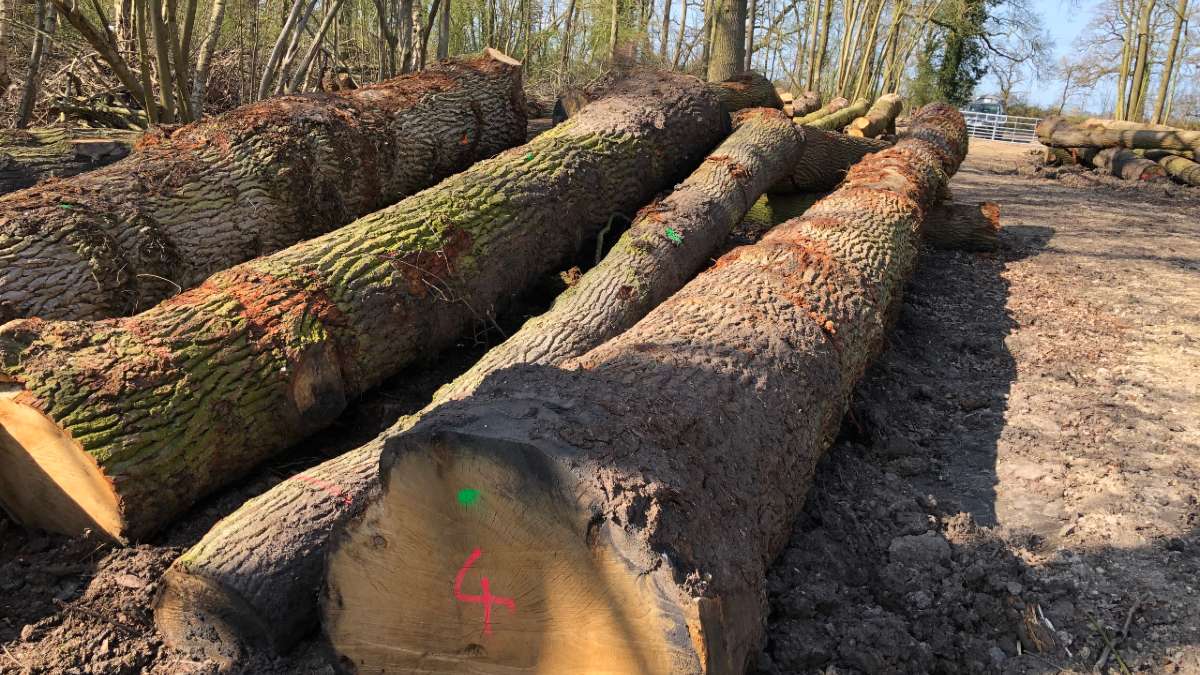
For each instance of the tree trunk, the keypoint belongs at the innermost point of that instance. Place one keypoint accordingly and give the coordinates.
(623, 509)
(665, 34)
(1164, 83)
(748, 90)
(1059, 133)
(824, 111)
(205, 197)
(839, 119)
(806, 103)
(958, 226)
(301, 74)
(248, 593)
(1136, 107)
(1181, 168)
(204, 61)
(214, 381)
(751, 14)
(728, 41)
(443, 46)
(880, 119)
(827, 157)
(1124, 164)
(281, 42)
(28, 156)
(44, 22)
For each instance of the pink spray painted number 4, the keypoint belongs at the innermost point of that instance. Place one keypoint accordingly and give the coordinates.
(486, 598)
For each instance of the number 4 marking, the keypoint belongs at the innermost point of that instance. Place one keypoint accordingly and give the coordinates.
(486, 598)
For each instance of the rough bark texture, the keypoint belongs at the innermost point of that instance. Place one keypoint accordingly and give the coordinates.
(161, 408)
(192, 201)
(839, 119)
(1124, 125)
(1182, 169)
(1124, 164)
(252, 580)
(1070, 156)
(29, 156)
(623, 509)
(808, 102)
(747, 90)
(958, 226)
(824, 111)
(827, 158)
(880, 119)
(1059, 133)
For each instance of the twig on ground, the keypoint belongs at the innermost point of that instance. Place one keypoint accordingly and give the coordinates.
(12, 658)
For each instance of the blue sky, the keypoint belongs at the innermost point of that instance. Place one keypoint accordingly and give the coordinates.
(1064, 20)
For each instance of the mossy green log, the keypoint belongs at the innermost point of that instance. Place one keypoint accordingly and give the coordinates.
(28, 156)
(194, 200)
(233, 591)
(836, 121)
(119, 425)
(632, 499)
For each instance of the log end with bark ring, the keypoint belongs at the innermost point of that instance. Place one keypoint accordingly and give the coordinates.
(478, 558)
(48, 481)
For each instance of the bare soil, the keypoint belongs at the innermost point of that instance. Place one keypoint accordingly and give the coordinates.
(1015, 484)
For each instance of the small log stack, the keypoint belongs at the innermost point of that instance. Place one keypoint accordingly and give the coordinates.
(234, 591)
(191, 201)
(117, 426)
(623, 510)
(1059, 133)
(1123, 163)
(29, 156)
(826, 110)
(838, 120)
(879, 120)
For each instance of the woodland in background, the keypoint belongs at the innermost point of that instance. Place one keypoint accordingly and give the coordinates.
(129, 63)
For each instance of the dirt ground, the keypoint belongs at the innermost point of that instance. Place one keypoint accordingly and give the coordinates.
(1015, 485)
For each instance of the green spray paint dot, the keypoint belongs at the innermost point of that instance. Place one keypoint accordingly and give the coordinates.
(528, 156)
(674, 236)
(468, 496)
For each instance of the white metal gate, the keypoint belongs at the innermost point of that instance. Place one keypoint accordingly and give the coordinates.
(1001, 127)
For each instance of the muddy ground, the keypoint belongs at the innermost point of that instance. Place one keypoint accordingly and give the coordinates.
(1015, 485)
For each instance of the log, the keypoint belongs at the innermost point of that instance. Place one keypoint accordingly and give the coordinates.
(567, 105)
(621, 512)
(808, 102)
(29, 156)
(1182, 169)
(234, 592)
(1122, 163)
(1124, 125)
(117, 426)
(824, 111)
(959, 226)
(772, 209)
(829, 155)
(880, 119)
(1156, 155)
(1070, 156)
(747, 90)
(839, 119)
(1059, 133)
(198, 199)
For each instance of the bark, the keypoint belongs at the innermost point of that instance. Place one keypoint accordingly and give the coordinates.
(1182, 169)
(839, 119)
(806, 103)
(1124, 164)
(775, 208)
(829, 156)
(1136, 106)
(1059, 133)
(728, 49)
(880, 119)
(1123, 125)
(213, 194)
(281, 42)
(44, 21)
(443, 45)
(28, 156)
(624, 508)
(747, 90)
(302, 69)
(958, 226)
(824, 111)
(252, 594)
(162, 408)
(1157, 155)
(204, 61)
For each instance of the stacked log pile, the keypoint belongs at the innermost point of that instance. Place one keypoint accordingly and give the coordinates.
(117, 426)
(1128, 150)
(198, 199)
(28, 156)
(233, 592)
(623, 509)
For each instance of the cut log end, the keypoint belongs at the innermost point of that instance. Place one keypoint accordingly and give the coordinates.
(48, 480)
(478, 554)
(197, 618)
